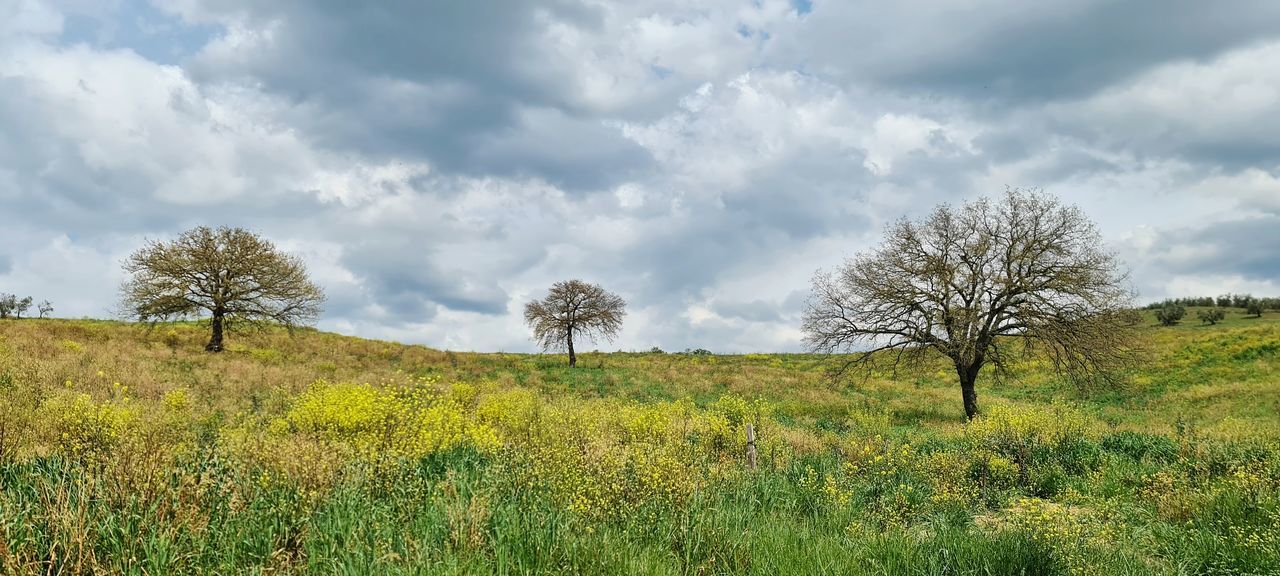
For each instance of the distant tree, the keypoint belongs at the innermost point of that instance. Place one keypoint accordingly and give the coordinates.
(1223, 301)
(1254, 307)
(656, 350)
(231, 274)
(21, 307)
(45, 309)
(11, 306)
(1171, 313)
(1241, 300)
(8, 303)
(976, 285)
(574, 309)
(698, 352)
(1211, 316)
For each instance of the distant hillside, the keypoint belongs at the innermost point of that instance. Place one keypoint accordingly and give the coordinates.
(126, 449)
(1221, 375)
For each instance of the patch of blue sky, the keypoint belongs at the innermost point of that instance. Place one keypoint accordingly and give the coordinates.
(137, 25)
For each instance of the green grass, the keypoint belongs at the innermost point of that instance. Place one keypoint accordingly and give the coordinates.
(1175, 472)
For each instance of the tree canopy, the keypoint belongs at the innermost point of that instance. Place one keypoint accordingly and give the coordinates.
(232, 275)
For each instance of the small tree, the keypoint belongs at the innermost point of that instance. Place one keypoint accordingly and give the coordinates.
(8, 303)
(233, 275)
(1254, 307)
(1171, 313)
(975, 285)
(1211, 316)
(574, 309)
(21, 307)
(45, 309)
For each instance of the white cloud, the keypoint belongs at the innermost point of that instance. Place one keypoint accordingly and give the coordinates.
(700, 159)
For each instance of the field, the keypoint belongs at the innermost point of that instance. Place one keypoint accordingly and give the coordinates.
(125, 449)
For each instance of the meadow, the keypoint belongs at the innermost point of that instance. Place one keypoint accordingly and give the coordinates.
(125, 449)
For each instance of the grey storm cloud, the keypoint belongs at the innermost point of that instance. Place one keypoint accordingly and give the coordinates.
(404, 279)
(465, 85)
(1026, 53)
(437, 164)
(1249, 248)
(753, 311)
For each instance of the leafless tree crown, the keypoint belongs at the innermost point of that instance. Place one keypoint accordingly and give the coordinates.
(574, 309)
(1022, 272)
(228, 273)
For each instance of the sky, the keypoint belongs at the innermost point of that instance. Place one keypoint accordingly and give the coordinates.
(437, 164)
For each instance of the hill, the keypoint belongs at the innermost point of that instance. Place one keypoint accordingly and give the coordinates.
(126, 449)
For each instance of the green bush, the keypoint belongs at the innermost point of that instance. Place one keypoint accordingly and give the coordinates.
(1171, 313)
(1211, 316)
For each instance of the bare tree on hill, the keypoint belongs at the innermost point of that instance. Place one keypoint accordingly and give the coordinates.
(979, 284)
(574, 309)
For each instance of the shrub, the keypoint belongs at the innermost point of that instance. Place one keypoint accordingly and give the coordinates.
(1171, 313)
(389, 423)
(79, 427)
(1254, 307)
(1073, 535)
(1034, 437)
(1211, 316)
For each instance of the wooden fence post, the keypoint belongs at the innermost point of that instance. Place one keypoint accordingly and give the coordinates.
(751, 446)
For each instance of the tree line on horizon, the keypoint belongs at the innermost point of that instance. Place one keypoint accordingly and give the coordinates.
(982, 285)
(1245, 301)
(11, 306)
(1171, 311)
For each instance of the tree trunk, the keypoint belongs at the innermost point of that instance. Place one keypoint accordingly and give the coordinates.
(573, 358)
(969, 375)
(215, 342)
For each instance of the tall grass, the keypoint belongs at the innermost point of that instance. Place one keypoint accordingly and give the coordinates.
(125, 450)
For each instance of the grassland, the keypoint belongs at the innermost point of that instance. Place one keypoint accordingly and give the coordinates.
(125, 449)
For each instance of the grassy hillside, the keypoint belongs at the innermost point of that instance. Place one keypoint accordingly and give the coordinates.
(125, 449)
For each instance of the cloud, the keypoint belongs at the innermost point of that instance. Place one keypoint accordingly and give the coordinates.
(438, 165)
(753, 311)
(1224, 111)
(464, 87)
(1245, 247)
(1002, 51)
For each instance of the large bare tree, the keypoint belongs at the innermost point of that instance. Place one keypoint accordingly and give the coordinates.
(574, 309)
(1022, 274)
(231, 274)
